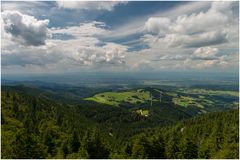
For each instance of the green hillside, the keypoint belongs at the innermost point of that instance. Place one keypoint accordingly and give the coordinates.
(35, 118)
(37, 127)
(214, 135)
(192, 101)
(116, 98)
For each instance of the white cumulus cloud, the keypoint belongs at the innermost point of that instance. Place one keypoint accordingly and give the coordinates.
(205, 53)
(24, 28)
(83, 30)
(88, 5)
(158, 25)
(95, 55)
(194, 30)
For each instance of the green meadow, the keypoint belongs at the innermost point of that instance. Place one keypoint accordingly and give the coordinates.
(115, 98)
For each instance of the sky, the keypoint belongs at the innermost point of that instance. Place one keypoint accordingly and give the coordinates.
(40, 37)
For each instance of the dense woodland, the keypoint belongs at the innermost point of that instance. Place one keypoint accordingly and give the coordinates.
(34, 127)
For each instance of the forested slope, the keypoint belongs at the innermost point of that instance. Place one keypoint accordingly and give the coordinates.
(214, 135)
(35, 127)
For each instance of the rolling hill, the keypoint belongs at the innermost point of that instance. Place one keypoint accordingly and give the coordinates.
(36, 124)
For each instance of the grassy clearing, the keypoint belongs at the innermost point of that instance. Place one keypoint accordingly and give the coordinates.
(116, 98)
(143, 112)
(172, 94)
(210, 92)
(187, 101)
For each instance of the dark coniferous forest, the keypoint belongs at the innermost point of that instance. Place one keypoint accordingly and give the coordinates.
(36, 125)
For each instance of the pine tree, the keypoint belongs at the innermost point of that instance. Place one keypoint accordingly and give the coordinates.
(94, 145)
(64, 148)
(29, 124)
(156, 149)
(2, 119)
(140, 146)
(7, 95)
(49, 140)
(25, 146)
(172, 148)
(204, 152)
(188, 149)
(15, 108)
(15, 105)
(74, 142)
(128, 150)
(34, 106)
